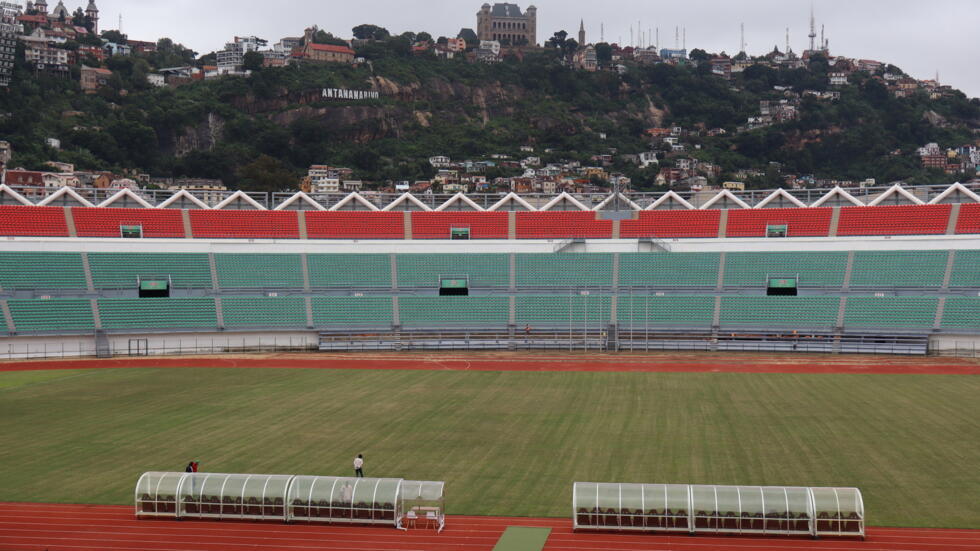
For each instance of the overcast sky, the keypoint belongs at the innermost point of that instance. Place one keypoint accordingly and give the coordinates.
(921, 37)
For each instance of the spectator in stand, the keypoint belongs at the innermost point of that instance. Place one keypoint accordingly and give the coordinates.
(359, 466)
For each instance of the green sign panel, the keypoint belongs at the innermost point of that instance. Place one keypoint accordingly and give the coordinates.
(777, 230)
(454, 284)
(459, 233)
(782, 282)
(154, 285)
(131, 232)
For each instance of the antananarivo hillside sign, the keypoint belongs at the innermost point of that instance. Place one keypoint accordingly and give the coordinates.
(340, 93)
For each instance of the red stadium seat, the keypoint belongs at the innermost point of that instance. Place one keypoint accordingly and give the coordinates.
(244, 224)
(105, 222)
(894, 220)
(562, 225)
(34, 221)
(355, 225)
(969, 220)
(482, 225)
(802, 222)
(672, 223)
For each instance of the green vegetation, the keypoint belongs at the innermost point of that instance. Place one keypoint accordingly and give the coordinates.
(507, 443)
(269, 127)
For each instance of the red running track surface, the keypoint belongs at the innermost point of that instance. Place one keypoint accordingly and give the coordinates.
(664, 363)
(37, 527)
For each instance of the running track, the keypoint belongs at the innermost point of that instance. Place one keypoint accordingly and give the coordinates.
(40, 527)
(736, 363)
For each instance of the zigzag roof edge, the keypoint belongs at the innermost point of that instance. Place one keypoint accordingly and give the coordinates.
(183, 194)
(779, 193)
(65, 191)
(299, 196)
(125, 192)
(242, 196)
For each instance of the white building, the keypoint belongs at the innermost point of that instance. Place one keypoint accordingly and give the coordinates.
(230, 59)
(440, 161)
(156, 80)
(648, 158)
(838, 79)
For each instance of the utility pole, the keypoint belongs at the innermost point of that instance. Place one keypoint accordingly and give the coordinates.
(742, 49)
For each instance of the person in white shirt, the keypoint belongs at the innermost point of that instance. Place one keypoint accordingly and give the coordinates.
(359, 466)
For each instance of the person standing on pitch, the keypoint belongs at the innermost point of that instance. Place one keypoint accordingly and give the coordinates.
(359, 466)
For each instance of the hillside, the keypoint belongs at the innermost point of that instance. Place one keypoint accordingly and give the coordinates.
(263, 131)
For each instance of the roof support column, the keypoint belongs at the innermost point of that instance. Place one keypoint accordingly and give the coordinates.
(950, 261)
(720, 284)
(185, 216)
(954, 218)
(834, 222)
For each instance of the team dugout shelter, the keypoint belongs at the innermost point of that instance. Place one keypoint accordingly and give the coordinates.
(291, 498)
(706, 509)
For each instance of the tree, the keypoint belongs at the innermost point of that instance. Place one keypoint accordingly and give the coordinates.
(252, 61)
(323, 37)
(266, 174)
(115, 36)
(370, 32)
(697, 54)
(423, 37)
(78, 18)
(558, 40)
(603, 53)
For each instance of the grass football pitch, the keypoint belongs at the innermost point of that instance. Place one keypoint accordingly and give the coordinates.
(506, 443)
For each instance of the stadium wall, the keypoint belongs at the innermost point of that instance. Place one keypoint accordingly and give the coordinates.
(158, 344)
(811, 244)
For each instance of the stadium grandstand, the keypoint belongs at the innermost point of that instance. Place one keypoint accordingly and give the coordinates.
(110, 272)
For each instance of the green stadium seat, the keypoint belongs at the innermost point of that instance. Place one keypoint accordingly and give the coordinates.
(423, 270)
(668, 269)
(816, 269)
(899, 269)
(890, 312)
(37, 270)
(55, 315)
(120, 270)
(344, 312)
(157, 313)
(779, 312)
(259, 271)
(564, 270)
(966, 269)
(349, 270)
(638, 311)
(454, 311)
(264, 312)
(962, 313)
(560, 310)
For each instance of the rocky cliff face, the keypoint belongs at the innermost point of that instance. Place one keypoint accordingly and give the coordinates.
(202, 137)
(404, 105)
